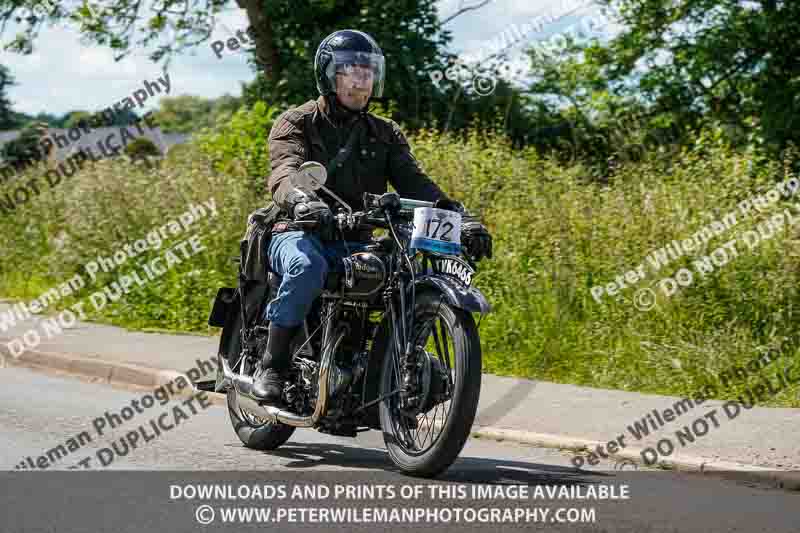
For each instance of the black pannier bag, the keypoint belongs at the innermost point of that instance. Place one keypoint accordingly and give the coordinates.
(254, 284)
(254, 265)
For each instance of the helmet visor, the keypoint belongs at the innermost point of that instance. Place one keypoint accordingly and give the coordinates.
(357, 70)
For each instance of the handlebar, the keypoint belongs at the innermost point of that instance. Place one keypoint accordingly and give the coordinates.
(406, 204)
(376, 206)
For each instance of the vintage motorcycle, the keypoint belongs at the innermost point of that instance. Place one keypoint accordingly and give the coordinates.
(389, 345)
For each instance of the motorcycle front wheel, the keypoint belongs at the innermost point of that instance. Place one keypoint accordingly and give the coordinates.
(426, 441)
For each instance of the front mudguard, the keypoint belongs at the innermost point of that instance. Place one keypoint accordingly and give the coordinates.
(467, 298)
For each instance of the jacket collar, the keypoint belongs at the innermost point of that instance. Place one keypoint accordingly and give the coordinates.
(338, 118)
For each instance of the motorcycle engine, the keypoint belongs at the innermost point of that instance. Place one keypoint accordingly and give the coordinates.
(364, 275)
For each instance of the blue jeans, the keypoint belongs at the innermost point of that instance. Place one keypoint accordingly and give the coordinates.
(303, 261)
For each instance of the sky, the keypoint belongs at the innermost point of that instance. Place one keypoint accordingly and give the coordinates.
(64, 75)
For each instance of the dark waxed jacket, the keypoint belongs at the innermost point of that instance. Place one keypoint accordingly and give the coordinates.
(381, 155)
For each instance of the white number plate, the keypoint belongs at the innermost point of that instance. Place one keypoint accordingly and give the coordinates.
(436, 230)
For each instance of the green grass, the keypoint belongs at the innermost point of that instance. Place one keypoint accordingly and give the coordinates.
(556, 234)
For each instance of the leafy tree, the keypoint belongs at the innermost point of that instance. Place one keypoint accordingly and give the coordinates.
(680, 64)
(74, 118)
(238, 147)
(182, 113)
(285, 34)
(187, 114)
(24, 150)
(50, 119)
(142, 147)
(8, 118)
(172, 26)
(408, 32)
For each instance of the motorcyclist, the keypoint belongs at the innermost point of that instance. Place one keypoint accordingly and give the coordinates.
(349, 71)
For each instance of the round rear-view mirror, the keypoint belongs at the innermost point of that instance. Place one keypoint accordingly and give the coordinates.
(311, 175)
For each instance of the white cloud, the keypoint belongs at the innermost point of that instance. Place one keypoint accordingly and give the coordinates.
(64, 75)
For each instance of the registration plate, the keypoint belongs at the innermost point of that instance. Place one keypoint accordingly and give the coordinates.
(455, 268)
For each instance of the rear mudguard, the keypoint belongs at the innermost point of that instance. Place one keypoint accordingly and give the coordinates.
(466, 298)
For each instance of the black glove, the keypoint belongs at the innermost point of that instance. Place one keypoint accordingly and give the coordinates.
(451, 205)
(310, 212)
(477, 240)
(297, 197)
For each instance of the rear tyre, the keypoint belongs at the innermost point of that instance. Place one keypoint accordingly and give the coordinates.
(254, 432)
(448, 334)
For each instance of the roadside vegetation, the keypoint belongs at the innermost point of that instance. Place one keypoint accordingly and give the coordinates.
(558, 231)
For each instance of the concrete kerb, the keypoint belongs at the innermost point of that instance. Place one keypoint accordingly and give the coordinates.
(113, 373)
(138, 376)
(788, 480)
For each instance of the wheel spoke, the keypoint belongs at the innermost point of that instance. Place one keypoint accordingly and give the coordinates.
(435, 410)
(429, 426)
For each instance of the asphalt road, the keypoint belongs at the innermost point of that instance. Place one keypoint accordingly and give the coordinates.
(39, 411)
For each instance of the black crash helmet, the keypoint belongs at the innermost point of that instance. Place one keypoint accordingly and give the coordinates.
(341, 51)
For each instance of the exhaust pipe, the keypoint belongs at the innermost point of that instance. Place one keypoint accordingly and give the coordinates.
(243, 388)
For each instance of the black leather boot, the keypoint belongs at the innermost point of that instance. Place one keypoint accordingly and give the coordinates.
(269, 382)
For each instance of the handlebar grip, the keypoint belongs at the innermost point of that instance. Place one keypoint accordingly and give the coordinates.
(371, 201)
(407, 204)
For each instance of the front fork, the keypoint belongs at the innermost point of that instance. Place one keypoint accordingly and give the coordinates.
(406, 360)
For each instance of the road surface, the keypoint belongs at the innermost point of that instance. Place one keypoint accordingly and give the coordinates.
(39, 411)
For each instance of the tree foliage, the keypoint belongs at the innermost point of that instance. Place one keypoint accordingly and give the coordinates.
(679, 64)
(408, 32)
(287, 33)
(187, 114)
(25, 149)
(142, 147)
(8, 118)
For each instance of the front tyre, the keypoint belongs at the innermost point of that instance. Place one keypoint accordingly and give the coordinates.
(426, 442)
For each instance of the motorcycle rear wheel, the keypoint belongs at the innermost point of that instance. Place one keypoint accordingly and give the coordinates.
(449, 334)
(254, 432)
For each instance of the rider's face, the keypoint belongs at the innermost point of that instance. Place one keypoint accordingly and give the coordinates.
(354, 86)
